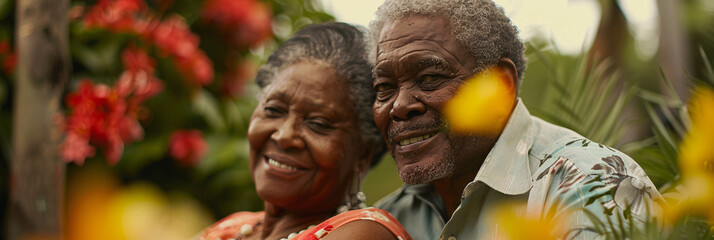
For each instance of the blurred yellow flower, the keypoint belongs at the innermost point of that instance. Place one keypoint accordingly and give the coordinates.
(514, 224)
(88, 197)
(482, 104)
(98, 208)
(696, 154)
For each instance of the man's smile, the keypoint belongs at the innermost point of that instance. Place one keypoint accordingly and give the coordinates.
(415, 139)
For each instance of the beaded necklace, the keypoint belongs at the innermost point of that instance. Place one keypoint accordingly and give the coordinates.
(248, 229)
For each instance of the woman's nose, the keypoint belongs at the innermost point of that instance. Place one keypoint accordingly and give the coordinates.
(287, 135)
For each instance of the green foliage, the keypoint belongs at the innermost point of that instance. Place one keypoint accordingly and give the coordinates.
(588, 100)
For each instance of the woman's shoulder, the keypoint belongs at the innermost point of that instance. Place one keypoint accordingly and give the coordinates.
(358, 224)
(232, 225)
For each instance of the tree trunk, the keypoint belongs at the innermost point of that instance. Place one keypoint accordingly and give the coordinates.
(36, 171)
(611, 37)
(673, 48)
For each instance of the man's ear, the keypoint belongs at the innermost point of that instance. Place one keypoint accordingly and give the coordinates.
(508, 68)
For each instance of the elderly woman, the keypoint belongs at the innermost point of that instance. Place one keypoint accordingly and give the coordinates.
(312, 138)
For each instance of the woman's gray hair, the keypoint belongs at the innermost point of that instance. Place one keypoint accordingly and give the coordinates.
(478, 25)
(344, 47)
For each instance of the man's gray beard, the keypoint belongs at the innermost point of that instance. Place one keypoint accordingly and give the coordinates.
(428, 172)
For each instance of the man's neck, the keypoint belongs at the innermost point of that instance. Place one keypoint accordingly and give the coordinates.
(450, 190)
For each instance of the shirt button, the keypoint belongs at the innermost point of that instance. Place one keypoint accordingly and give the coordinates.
(452, 238)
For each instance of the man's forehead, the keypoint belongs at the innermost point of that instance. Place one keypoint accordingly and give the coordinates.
(414, 27)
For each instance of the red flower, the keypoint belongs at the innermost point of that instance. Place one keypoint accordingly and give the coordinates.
(9, 63)
(135, 59)
(114, 15)
(246, 23)
(233, 80)
(227, 14)
(187, 147)
(138, 79)
(174, 38)
(106, 117)
(76, 148)
(198, 68)
(257, 27)
(8, 57)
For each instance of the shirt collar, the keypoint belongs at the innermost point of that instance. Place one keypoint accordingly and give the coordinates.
(506, 168)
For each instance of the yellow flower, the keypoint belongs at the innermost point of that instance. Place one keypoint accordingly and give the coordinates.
(513, 224)
(482, 104)
(696, 154)
(99, 208)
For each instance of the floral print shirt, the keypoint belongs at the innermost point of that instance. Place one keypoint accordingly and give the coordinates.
(553, 170)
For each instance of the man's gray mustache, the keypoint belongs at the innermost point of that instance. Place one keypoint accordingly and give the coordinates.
(396, 130)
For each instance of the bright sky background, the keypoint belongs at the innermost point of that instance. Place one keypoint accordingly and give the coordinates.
(570, 23)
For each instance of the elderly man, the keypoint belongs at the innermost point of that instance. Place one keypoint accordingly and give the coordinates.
(424, 50)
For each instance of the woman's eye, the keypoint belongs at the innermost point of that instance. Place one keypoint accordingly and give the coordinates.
(271, 111)
(319, 125)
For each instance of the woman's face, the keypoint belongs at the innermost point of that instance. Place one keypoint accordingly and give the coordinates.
(305, 144)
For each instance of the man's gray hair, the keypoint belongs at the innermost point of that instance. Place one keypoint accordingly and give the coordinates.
(343, 47)
(478, 25)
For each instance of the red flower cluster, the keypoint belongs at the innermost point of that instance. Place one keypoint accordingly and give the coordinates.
(175, 38)
(172, 35)
(107, 116)
(246, 23)
(8, 58)
(114, 15)
(187, 147)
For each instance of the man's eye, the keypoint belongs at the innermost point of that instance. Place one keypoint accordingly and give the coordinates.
(383, 87)
(431, 78)
(384, 90)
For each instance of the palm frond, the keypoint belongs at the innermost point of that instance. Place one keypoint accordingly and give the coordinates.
(588, 100)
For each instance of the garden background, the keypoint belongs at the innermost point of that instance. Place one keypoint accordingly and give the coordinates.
(126, 119)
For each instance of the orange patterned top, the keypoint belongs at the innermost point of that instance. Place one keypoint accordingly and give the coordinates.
(230, 227)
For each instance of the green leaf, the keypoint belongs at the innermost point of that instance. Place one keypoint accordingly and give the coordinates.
(223, 152)
(100, 58)
(6, 7)
(207, 107)
(137, 155)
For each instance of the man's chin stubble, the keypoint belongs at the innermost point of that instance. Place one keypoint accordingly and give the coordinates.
(426, 172)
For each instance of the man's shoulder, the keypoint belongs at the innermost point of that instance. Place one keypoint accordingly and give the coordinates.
(556, 146)
(404, 195)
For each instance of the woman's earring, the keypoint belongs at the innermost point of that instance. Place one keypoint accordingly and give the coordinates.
(355, 197)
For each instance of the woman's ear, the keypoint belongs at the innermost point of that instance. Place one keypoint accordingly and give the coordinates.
(365, 159)
(508, 68)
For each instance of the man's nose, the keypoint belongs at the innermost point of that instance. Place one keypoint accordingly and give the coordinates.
(287, 135)
(406, 106)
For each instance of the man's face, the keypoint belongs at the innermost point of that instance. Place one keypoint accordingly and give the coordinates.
(419, 68)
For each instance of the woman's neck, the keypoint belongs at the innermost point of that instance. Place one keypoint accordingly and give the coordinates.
(279, 223)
